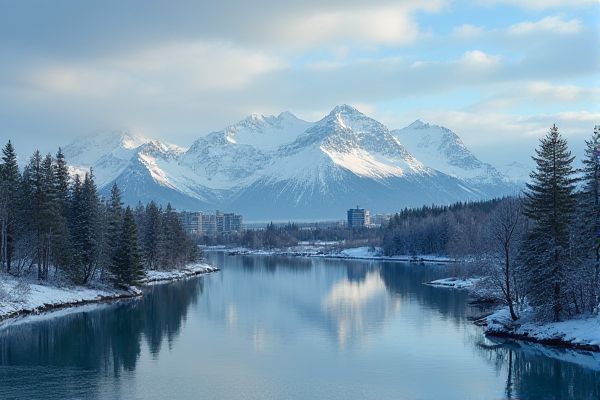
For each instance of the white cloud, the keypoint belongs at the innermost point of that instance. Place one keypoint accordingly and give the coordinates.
(180, 67)
(478, 58)
(554, 24)
(562, 93)
(374, 25)
(542, 4)
(467, 31)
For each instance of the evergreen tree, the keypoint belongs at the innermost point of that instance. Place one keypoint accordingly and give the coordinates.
(589, 221)
(48, 213)
(114, 218)
(152, 238)
(550, 204)
(86, 235)
(62, 245)
(9, 191)
(127, 265)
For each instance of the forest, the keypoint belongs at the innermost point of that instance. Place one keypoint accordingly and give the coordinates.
(55, 225)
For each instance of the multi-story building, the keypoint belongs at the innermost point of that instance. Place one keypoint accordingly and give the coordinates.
(209, 224)
(198, 223)
(191, 222)
(381, 219)
(219, 220)
(232, 223)
(358, 218)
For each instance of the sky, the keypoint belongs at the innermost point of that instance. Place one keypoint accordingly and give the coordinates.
(497, 72)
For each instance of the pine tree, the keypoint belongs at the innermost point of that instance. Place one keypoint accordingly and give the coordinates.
(48, 213)
(114, 216)
(85, 229)
(589, 219)
(61, 257)
(550, 204)
(9, 188)
(152, 239)
(127, 265)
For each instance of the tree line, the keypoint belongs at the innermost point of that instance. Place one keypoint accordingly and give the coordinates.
(540, 249)
(53, 223)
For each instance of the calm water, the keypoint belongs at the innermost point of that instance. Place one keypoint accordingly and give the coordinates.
(285, 328)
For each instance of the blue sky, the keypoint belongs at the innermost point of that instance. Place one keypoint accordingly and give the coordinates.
(497, 72)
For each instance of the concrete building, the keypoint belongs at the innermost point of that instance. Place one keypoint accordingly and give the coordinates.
(381, 219)
(209, 224)
(232, 223)
(358, 218)
(199, 223)
(191, 222)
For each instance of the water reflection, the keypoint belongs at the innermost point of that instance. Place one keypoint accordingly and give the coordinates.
(106, 338)
(534, 371)
(352, 329)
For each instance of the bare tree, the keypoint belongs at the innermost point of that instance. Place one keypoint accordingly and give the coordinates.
(507, 227)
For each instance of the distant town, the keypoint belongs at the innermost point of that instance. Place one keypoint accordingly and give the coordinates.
(201, 223)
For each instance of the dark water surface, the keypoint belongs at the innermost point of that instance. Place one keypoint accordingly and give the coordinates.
(286, 328)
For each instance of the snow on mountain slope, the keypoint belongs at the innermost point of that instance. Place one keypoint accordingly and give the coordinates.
(283, 167)
(442, 150)
(346, 155)
(107, 153)
(517, 172)
(265, 132)
(347, 139)
(219, 163)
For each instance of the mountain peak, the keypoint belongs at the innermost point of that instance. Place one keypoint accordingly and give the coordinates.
(418, 124)
(345, 109)
(287, 115)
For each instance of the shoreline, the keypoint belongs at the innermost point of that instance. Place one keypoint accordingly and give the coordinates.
(360, 255)
(582, 333)
(556, 342)
(78, 296)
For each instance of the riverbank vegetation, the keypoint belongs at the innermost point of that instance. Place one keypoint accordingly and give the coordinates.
(58, 227)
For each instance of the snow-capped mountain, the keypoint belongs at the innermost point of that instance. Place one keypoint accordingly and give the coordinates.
(442, 149)
(279, 167)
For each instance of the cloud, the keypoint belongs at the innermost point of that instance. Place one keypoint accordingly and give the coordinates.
(478, 58)
(563, 93)
(386, 25)
(551, 24)
(467, 31)
(168, 68)
(542, 4)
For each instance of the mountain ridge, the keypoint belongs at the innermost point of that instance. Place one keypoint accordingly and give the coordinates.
(284, 167)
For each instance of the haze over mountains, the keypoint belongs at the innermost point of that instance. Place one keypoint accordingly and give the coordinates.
(281, 167)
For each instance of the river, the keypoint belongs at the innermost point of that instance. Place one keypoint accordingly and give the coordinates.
(269, 327)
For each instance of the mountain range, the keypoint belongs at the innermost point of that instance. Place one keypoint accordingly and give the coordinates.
(282, 167)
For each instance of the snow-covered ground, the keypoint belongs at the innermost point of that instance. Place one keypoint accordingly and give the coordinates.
(326, 251)
(583, 332)
(22, 296)
(186, 272)
(455, 283)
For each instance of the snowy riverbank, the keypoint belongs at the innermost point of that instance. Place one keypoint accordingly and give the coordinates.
(20, 296)
(455, 283)
(581, 333)
(356, 253)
